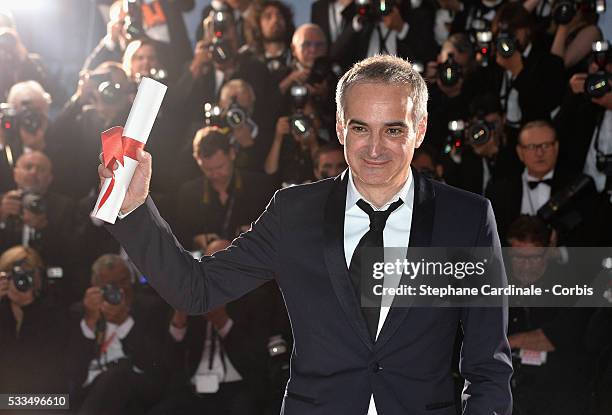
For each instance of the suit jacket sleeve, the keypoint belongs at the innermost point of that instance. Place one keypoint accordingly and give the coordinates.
(486, 364)
(196, 286)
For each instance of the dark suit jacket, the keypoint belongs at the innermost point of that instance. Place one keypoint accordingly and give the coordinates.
(335, 366)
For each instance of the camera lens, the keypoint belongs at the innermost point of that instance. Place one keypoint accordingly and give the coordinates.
(449, 72)
(110, 92)
(479, 133)
(112, 294)
(301, 124)
(23, 279)
(506, 45)
(564, 11)
(597, 84)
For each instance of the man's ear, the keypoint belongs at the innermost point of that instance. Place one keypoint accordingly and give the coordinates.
(340, 128)
(420, 131)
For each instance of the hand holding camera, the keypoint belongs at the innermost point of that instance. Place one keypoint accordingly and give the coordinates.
(10, 205)
(202, 58)
(4, 285)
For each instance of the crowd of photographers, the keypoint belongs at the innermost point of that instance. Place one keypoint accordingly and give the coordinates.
(520, 111)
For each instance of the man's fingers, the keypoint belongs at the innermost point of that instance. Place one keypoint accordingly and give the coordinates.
(104, 172)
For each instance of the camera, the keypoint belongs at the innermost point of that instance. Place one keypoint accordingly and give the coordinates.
(554, 212)
(373, 9)
(22, 278)
(12, 120)
(482, 38)
(134, 21)
(564, 11)
(112, 93)
(480, 132)
(157, 74)
(235, 115)
(33, 202)
(321, 69)
(454, 140)
(506, 44)
(301, 124)
(112, 294)
(597, 84)
(220, 48)
(212, 115)
(449, 71)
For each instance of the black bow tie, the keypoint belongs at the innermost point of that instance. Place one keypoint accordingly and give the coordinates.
(534, 183)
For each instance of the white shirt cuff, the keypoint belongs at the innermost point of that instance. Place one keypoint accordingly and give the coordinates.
(402, 33)
(123, 215)
(226, 328)
(87, 332)
(178, 334)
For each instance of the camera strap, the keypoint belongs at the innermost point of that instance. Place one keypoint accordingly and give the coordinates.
(600, 119)
(382, 40)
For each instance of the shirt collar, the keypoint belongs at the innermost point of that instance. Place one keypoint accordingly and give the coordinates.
(353, 195)
(529, 178)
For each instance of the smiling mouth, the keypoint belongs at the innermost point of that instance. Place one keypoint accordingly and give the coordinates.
(371, 163)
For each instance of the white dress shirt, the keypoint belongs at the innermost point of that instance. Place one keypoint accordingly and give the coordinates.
(374, 47)
(534, 199)
(511, 95)
(395, 235)
(336, 21)
(114, 350)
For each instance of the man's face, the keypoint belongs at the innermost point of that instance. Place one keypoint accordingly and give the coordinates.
(378, 134)
(309, 46)
(218, 168)
(330, 164)
(33, 172)
(538, 150)
(529, 262)
(273, 25)
(243, 98)
(144, 60)
(461, 58)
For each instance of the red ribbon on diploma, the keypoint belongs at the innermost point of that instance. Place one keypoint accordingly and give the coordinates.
(114, 147)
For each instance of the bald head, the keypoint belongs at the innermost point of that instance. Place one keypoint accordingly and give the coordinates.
(30, 93)
(33, 172)
(308, 43)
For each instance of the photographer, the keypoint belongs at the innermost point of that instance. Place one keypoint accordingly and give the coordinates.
(141, 59)
(454, 80)
(527, 193)
(32, 216)
(117, 344)
(217, 60)
(472, 15)
(157, 21)
(328, 161)
(573, 40)
(242, 13)
(294, 147)
(485, 156)
(102, 100)
(224, 200)
(18, 65)
(272, 45)
(225, 358)
(557, 381)
(32, 332)
(529, 79)
(24, 121)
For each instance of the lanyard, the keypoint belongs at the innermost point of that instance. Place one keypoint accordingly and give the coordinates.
(382, 40)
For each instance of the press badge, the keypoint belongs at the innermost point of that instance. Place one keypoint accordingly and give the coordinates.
(207, 383)
(532, 357)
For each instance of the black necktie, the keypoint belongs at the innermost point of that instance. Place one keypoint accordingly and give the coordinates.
(534, 183)
(368, 251)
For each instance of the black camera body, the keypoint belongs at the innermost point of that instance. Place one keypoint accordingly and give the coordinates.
(374, 10)
(22, 278)
(480, 132)
(598, 84)
(564, 11)
(449, 71)
(482, 39)
(134, 28)
(236, 115)
(219, 47)
(301, 124)
(33, 202)
(506, 44)
(320, 71)
(112, 93)
(112, 294)
(455, 138)
(11, 120)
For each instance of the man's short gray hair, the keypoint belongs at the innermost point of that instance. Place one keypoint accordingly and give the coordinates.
(107, 262)
(385, 69)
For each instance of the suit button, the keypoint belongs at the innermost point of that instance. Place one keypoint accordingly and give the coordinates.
(376, 367)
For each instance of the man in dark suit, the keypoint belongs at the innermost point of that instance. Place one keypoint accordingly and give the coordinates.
(540, 180)
(346, 360)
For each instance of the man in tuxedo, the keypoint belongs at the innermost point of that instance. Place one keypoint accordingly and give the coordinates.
(349, 360)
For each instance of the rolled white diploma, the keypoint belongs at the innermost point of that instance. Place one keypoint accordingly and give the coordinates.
(138, 127)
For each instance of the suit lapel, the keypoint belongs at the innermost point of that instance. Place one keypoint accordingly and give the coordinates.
(335, 258)
(421, 230)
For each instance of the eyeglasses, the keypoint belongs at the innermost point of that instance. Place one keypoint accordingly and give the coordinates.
(541, 146)
(312, 44)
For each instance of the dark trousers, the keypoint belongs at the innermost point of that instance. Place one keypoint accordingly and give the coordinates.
(232, 398)
(118, 391)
